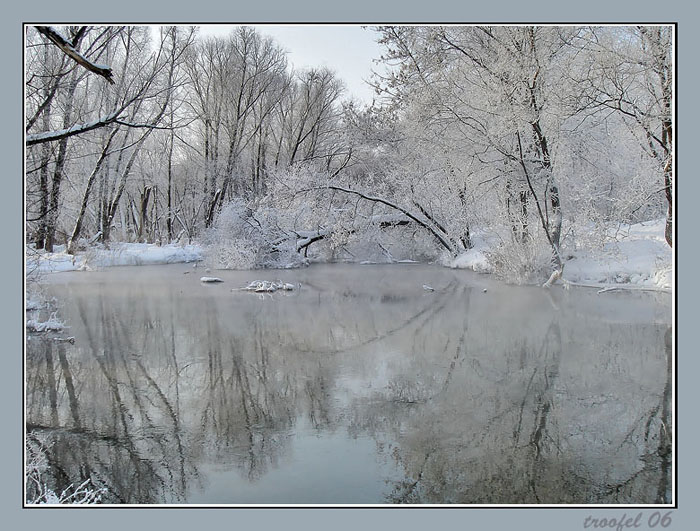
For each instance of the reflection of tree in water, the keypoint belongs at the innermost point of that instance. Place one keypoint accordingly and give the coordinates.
(249, 403)
(515, 433)
(653, 432)
(121, 427)
(114, 409)
(469, 411)
(149, 392)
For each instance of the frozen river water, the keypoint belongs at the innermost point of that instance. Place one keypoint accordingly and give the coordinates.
(358, 387)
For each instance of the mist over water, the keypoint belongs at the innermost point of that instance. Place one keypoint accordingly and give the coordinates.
(359, 386)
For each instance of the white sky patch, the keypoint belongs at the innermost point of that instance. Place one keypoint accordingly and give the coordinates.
(348, 50)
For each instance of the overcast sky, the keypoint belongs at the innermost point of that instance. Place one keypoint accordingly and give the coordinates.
(349, 50)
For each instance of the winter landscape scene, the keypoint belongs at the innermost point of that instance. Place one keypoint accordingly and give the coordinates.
(349, 265)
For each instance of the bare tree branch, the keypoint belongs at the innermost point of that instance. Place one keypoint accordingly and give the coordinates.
(69, 49)
(50, 136)
(434, 231)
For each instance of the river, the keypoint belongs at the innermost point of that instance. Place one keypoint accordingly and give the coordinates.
(360, 386)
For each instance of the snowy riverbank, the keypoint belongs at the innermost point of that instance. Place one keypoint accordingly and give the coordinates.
(118, 254)
(636, 255)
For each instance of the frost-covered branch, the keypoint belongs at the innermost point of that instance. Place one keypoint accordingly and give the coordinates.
(111, 118)
(143, 125)
(306, 238)
(67, 48)
(39, 493)
(443, 241)
(51, 136)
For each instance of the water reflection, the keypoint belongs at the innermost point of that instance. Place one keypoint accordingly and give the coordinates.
(360, 387)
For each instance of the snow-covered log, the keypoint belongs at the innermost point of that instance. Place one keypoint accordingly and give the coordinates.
(210, 280)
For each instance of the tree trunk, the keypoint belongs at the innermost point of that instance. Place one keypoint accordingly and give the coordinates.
(552, 228)
(86, 195)
(212, 208)
(667, 136)
(668, 186)
(52, 217)
(555, 225)
(143, 212)
(114, 204)
(466, 237)
(517, 215)
(40, 238)
(169, 221)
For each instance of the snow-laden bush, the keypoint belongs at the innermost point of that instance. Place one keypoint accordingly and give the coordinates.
(249, 236)
(42, 314)
(52, 324)
(302, 219)
(37, 490)
(516, 262)
(233, 241)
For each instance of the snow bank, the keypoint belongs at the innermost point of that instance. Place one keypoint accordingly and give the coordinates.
(118, 254)
(475, 258)
(638, 255)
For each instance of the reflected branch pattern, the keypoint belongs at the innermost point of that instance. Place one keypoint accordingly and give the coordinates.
(467, 397)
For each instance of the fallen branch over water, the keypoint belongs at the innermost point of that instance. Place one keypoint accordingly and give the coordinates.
(606, 288)
(634, 288)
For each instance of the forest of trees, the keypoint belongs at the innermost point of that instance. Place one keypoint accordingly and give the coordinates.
(539, 136)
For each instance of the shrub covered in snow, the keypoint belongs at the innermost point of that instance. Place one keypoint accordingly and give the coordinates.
(516, 262)
(38, 491)
(41, 313)
(250, 236)
(52, 324)
(304, 219)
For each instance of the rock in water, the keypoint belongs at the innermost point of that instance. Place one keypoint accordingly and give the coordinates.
(266, 286)
(210, 279)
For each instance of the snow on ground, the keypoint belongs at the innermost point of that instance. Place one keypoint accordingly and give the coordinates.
(118, 254)
(636, 255)
(475, 258)
(639, 256)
